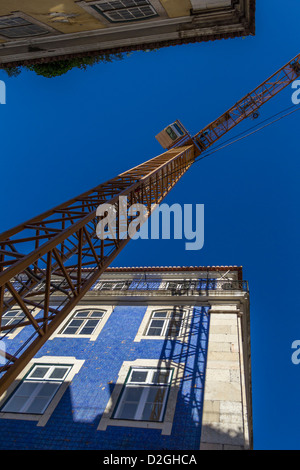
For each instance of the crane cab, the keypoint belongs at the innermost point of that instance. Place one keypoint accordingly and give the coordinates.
(171, 134)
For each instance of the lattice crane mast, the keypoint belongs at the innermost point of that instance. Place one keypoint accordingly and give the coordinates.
(58, 254)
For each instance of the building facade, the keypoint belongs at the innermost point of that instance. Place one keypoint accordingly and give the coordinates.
(37, 32)
(151, 359)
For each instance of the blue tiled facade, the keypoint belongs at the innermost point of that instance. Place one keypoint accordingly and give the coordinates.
(73, 424)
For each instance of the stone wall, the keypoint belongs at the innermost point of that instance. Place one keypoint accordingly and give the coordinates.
(224, 423)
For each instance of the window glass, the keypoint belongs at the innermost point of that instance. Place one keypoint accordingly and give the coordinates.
(13, 21)
(130, 401)
(146, 401)
(161, 377)
(154, 404)
(82, 313)
(160, 314)
(59, 373)
(171, 133)
(156, 328)
(178, 128)
(39, 372)
(37, 389)
(12, 317)
(42, 396)
(125, 10)
(17, 27)
(138, 376)
(83, 322)
(165, 323)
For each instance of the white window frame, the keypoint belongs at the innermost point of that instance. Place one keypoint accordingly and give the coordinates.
(148, 317)
(41, 419)
(37, 384)
(84, 321)
(108, 14)
(166, 424)
(146, 386)
(14, 326)
(10, 335)
(97, 330)
(166, 323)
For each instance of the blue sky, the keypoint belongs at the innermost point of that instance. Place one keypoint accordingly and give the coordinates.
(62, 136)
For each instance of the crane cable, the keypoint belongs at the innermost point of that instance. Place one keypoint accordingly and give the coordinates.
(237, 138)
(253, 127)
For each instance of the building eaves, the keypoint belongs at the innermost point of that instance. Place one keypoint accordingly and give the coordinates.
(249, 30)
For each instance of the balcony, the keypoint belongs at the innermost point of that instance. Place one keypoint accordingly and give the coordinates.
(203, 287)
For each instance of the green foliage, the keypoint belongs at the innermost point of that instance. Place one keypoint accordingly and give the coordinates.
(12, 71)
(60, 67)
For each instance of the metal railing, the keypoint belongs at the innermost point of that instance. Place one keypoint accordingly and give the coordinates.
(186, 287)
(196, 287)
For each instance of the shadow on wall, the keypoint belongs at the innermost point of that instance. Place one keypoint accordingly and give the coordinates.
(62, 432)
(73, 424)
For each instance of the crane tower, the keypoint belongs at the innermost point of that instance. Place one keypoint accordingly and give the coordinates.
(62, 244)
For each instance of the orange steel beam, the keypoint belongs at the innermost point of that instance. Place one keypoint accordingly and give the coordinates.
(47, 257)
(70, 245)
(245, 107)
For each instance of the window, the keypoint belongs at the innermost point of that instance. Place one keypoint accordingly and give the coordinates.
(125, 10)
(37, 389)
(165, 323)
(83, 322)
(144, 395)
(171, 133)
(18, 27)
(10, 318)
(179, 130)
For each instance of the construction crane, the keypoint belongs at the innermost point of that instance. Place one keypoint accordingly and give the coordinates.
(58, 253)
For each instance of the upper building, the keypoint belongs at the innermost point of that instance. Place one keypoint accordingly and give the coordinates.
(152, 358)
(41, 31)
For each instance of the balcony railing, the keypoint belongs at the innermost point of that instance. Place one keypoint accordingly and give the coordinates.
(152, 287)
(198, 287)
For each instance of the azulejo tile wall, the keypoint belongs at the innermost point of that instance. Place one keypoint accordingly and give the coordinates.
(73, 423)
